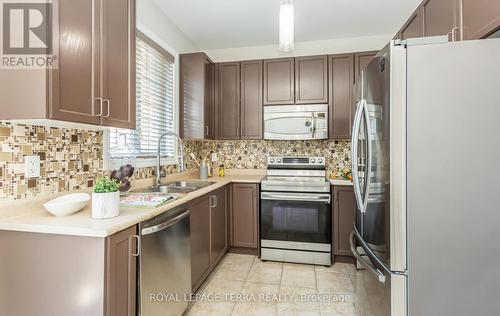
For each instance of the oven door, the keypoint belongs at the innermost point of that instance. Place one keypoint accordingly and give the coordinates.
(296, 220)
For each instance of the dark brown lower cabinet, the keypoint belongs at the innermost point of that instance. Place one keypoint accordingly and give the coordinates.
(344, 210)
(50, 274)
(200, 240)
(209, 234)
(244, 215)
(218, 225)
(121, 271)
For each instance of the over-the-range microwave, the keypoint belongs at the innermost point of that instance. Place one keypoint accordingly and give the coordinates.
(296, 122)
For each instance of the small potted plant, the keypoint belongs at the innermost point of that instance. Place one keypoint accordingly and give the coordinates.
(105, 199)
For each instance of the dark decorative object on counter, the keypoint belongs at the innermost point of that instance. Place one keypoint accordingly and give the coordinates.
(123, 176)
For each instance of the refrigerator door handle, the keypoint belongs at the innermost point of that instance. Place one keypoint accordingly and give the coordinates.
(354, 153)
(379, 274)
(368, 162)
(372, 255)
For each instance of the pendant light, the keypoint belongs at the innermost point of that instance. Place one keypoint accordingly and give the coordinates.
(286, 35)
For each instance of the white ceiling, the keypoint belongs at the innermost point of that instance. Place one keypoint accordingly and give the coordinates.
(214, 24)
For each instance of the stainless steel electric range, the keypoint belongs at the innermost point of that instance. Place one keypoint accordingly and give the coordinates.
(295, 212)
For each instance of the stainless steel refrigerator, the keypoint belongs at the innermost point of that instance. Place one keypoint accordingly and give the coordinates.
(426, 170)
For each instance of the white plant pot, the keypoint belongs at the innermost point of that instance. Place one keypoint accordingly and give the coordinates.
(105, 205)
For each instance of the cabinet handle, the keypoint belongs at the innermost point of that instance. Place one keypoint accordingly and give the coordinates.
(100, 107)
(452, 35)
(206, 130)
(108, 106)
(138, 251)
(213, 201)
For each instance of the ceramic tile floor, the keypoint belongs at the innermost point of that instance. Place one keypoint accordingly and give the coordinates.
(243, 285)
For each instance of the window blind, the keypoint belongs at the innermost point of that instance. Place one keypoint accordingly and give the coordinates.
(154, 105)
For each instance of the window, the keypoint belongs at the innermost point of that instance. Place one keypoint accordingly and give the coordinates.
(154, 106)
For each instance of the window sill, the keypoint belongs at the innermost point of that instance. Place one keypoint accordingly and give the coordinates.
(115, 163)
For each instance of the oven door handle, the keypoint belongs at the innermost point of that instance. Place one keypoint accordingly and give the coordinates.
(326, 198)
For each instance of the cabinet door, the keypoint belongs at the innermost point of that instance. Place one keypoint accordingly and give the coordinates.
(118, 63)
(279, 86)
(413, 27)
(209, 113)
(199, 222)
(218, 225)
(361, 60)
(441, 17)
(121, 269)
(74, 86)
(480, 18)
(344, 208)
(311, 79)
(341, 94)
(251, 99)
(192, 119)
(244, 215)
(229, 101)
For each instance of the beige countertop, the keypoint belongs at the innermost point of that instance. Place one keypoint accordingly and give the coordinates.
(30, 215)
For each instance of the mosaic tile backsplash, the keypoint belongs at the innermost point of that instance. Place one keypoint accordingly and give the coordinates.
(250, 154)
(72, 159)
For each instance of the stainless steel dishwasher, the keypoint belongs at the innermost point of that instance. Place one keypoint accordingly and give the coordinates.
(165, 264)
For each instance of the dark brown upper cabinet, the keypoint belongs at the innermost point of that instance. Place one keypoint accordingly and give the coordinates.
(341, 95)
(279, 81)
(413, 27)
(361, 60)
(94, 82)
(75, 85)
(229, 100)
(480, 18)
(441, 17)
(311, 79)
(197, 112)
(118, 63)
(251, 100)
(244, 225)
(344, 210)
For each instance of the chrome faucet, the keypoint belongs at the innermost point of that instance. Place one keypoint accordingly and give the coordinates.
(180, 157)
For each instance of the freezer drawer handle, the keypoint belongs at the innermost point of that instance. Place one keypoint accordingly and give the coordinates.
(377, 272)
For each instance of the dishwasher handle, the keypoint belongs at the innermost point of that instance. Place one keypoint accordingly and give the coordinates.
(164, 225)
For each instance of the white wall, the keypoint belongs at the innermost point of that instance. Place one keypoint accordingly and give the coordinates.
(151, 17)
(333, 46)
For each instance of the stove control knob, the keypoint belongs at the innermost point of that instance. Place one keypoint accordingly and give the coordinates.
(313, 160)
(320, 160)
(278, 160)
(271, 160)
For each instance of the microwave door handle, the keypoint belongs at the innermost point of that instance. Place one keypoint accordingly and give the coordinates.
(354, 153)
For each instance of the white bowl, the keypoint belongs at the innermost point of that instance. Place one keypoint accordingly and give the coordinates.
(67, 204)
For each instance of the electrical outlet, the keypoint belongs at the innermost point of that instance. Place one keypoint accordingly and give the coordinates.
(32, 166)
(214, 157)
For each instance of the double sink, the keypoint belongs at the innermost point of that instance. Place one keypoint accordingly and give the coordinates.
(178, 187)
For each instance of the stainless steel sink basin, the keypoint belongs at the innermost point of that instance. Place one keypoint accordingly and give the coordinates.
(189, 184)
(178, 187)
